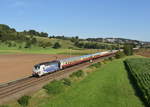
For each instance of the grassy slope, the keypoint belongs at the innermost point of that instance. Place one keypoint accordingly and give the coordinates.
(4, 49)
(108, 87)
(64, 43)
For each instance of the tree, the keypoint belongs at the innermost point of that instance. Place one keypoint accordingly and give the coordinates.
(19, 47)
(32, 32)
(56, 45)
(9, 44)
(43, 34)
(33, 41)
(77, 37)
(24, 100)
(119, 54)
(27, 45)
(74, 39)
(128, 49)
(79, 44)
(44, 44)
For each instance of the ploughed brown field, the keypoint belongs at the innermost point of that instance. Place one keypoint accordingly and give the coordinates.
(144, 52)
(16, 66)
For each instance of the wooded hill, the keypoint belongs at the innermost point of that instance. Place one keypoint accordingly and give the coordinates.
(31, 38)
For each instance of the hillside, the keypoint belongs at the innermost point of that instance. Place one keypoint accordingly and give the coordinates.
(64, 43)
(9, 37)
(32, 41)
(12, 41)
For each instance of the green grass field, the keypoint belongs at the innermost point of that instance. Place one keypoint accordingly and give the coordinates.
(49, 51)
(108, 86)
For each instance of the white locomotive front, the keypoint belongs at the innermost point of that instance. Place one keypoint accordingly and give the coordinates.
(46, 67)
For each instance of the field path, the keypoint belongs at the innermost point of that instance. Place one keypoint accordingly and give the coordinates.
(109, 86)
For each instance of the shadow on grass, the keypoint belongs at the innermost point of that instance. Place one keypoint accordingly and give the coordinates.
(133, 82)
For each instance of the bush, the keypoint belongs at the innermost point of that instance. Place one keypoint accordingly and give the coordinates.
(27, 45)
(106, 60)
(110, 58)
(56, 45)
(67, 81)
(119, 54)
(33, 40)
(24, 100)
(44, 44)
(9, 44)
(98, 64)
(14, 45)
(78, 74)
(55, 87)
(19, 47)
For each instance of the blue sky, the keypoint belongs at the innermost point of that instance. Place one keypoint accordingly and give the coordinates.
(84, 18)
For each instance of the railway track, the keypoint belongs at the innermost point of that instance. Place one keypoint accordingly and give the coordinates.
(12, 88)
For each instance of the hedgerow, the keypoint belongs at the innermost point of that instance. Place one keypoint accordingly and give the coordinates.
(78, 74)
(96, 65)
(54, 87)
(67, 81)
(110, 58)
(24, 100)
(119, 54)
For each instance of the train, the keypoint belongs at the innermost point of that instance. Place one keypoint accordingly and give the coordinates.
(56, 65)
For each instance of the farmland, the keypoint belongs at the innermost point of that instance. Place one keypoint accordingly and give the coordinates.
(143, 52)
(107, 86)
(67, 48)
(16, 66)
(33, 42)
(50, 51)
(139, 69)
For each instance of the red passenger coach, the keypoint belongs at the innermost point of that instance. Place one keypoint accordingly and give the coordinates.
(64, 63)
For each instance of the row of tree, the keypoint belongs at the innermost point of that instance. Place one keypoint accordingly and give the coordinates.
(35, 33)
(94, 45)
